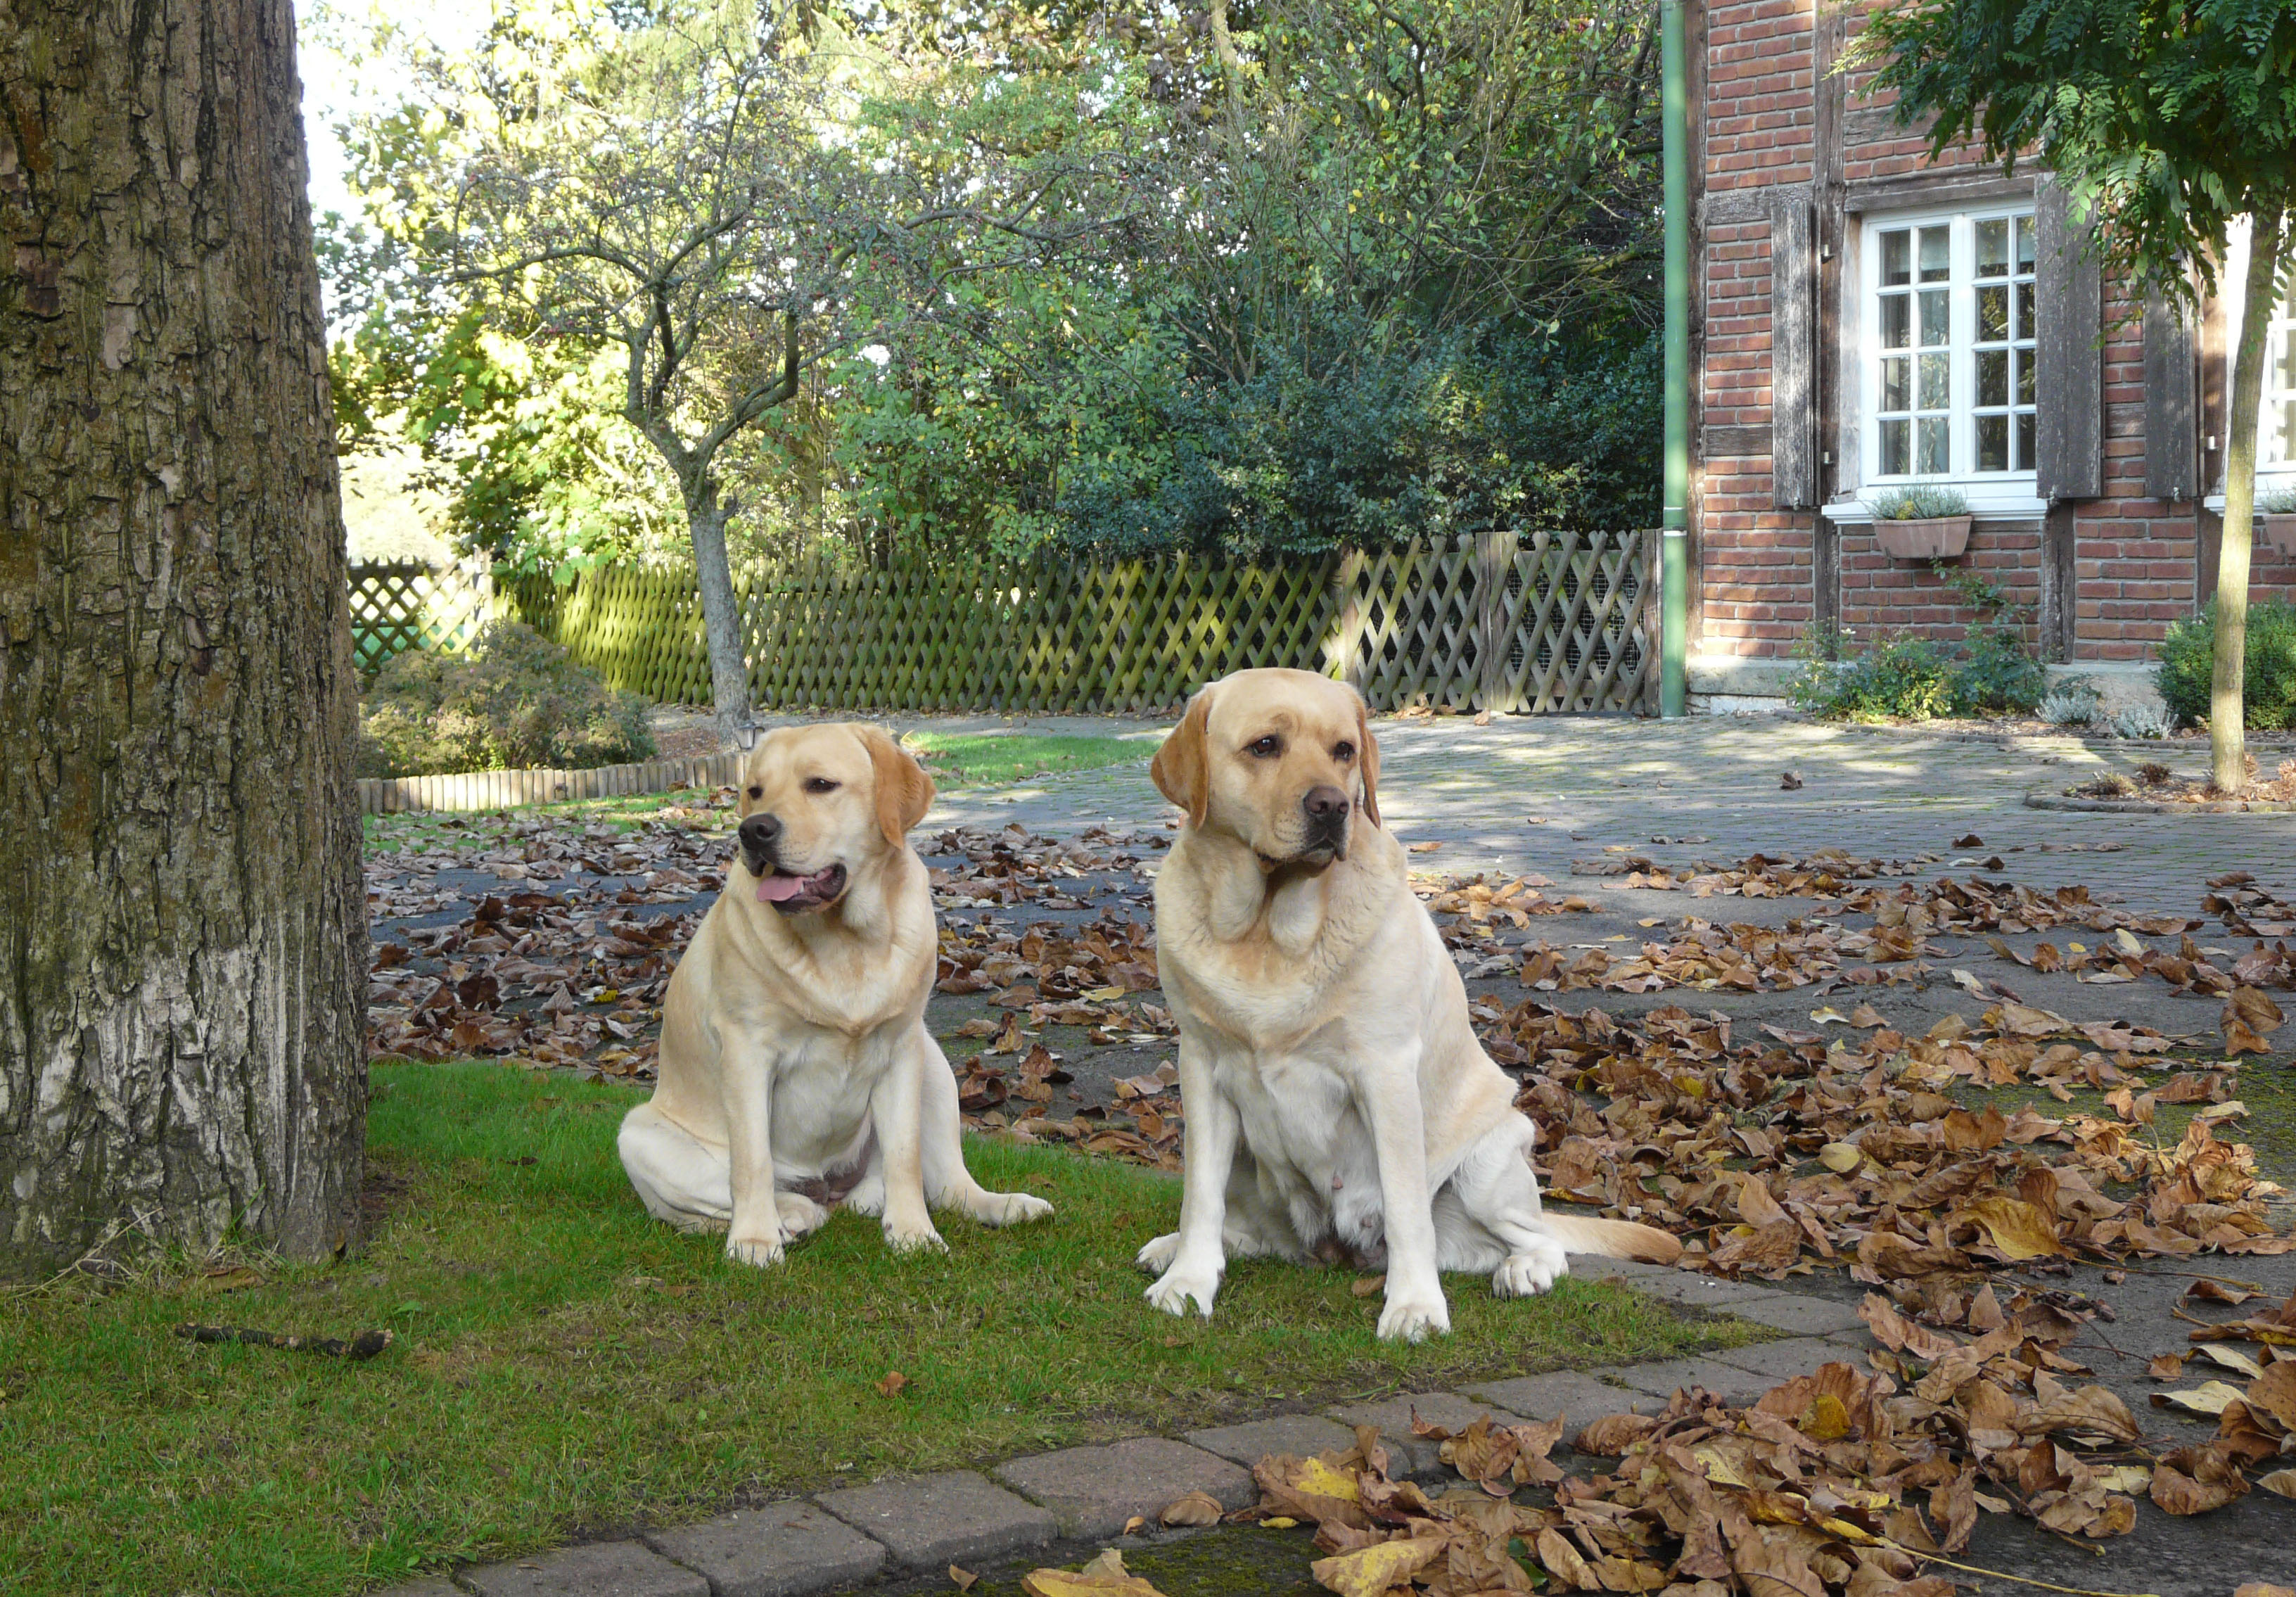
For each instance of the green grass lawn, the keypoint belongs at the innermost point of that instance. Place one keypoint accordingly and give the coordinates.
(565, 1367)
(957, 761)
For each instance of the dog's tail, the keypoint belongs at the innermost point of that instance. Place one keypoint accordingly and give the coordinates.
(1612, 1239)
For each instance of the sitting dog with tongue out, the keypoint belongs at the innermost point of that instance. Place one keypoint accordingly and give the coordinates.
(796, 1067)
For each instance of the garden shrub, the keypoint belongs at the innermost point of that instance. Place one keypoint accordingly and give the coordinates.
(1901, 678)
(2187, 660)
(516, 699)
(1992, 671)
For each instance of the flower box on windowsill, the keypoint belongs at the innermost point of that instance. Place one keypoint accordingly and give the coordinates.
(1935, 537)
(2280, 531)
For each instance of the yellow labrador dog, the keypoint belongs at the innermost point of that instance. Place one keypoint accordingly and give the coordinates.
(1337, 1099)
(795, 1061)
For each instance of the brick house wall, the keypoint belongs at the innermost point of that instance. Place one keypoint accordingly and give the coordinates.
(1790, 158)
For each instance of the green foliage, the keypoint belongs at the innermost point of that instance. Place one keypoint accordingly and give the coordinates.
(2169, 117)
(516, 701)
(1918, 501)
(2268, 700)
(1907, 678)
(1898, 678)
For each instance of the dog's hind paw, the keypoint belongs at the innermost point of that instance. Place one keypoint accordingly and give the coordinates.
(1156, 1257)
(1526, 1275)
(1010, 1209)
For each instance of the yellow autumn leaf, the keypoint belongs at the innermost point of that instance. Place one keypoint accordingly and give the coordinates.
(1321, 1479)
(2017, 1228)
(1369, 1571)
(1840, 1158)
(2134, 1479)
(1825, 1420)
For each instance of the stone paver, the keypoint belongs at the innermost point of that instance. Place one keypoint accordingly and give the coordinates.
(1414, 1456)
(938, 1519)
(1700, 1291)
(1784, 1360)
(1804, 1316)
(1300, 1435)
(1094, 1491)
(602, 1569)
(1571, 1394)
(422, 1588)
(1663, 1377)
(781, 1550)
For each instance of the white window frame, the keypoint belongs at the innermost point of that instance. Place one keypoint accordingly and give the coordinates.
(1992, 495)
(2279, 369)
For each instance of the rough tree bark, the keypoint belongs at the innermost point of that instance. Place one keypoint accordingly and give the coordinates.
(182, 928)
(2227, 676)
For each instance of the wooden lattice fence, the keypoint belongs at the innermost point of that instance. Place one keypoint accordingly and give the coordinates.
(1512, 624)
(401, 605)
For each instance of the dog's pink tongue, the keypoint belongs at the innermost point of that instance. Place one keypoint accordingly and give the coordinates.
(775, 889)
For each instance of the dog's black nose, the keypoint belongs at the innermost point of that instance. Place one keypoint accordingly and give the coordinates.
(761, 833)
(1325, 806)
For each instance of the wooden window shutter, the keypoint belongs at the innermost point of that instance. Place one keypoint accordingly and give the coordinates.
(2172, 455)
(1793, 352)
(2069, 364)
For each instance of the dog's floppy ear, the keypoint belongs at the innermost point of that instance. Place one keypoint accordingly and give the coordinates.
(904, 791)
(1181, 768)
(1368, 748)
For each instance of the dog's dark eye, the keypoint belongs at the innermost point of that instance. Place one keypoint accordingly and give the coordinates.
(1268, 746)
(756, 792)
(1344, 752)
(819, 784)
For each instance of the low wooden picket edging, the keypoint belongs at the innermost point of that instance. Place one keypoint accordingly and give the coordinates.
(1512, 623)
(467, 791)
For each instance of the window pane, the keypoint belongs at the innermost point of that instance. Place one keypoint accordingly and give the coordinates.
(1937, 391)
(1897, 330)
(1992, 312)
(2283, 447)
(1937, 327)
(1993, 247)
(1937, 254)
(1893, 383)
(1930, 454)
(2025, 441)
(2025, 310)
(1897, 266)
(1993, 377)
(1894, 463)
(1993, 443)
(2023, 361)
(2024, 243)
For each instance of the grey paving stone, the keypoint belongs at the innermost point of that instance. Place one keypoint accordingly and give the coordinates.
(422, 1588)
(937, 1519)
(1700, 1291)
(781, 1550)
(1300, 1435)
(1595, 1266)
(1784, 1360)
(1571, 1394)
(1093, 1491)
(1663, 1377)
(602, 1569)
(1415, 1457)
(1804, 1316)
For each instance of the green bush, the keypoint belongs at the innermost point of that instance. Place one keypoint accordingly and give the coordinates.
(2187, 660)
(516, 699)
(1915, 679)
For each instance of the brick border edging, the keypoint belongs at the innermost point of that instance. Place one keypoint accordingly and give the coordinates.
(2155, 807)
(465, 792)
(834, 1540)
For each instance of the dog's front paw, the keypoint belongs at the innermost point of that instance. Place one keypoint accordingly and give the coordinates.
(1012, 1208)
(1413, 1319)
(914, 1238)
(1179, 1287)
(801, 1216)
(1528, 1275)
(1156, 1257)
(762, 1252)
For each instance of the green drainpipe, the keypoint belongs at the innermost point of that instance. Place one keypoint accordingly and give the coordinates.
(1674, 533)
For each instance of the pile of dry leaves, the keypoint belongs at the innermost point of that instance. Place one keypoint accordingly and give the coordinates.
(1862, 1484)
(1770, 1157)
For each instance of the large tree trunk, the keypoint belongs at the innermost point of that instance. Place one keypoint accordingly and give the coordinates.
(721, 610)
(2227, 750)
(182, 920)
